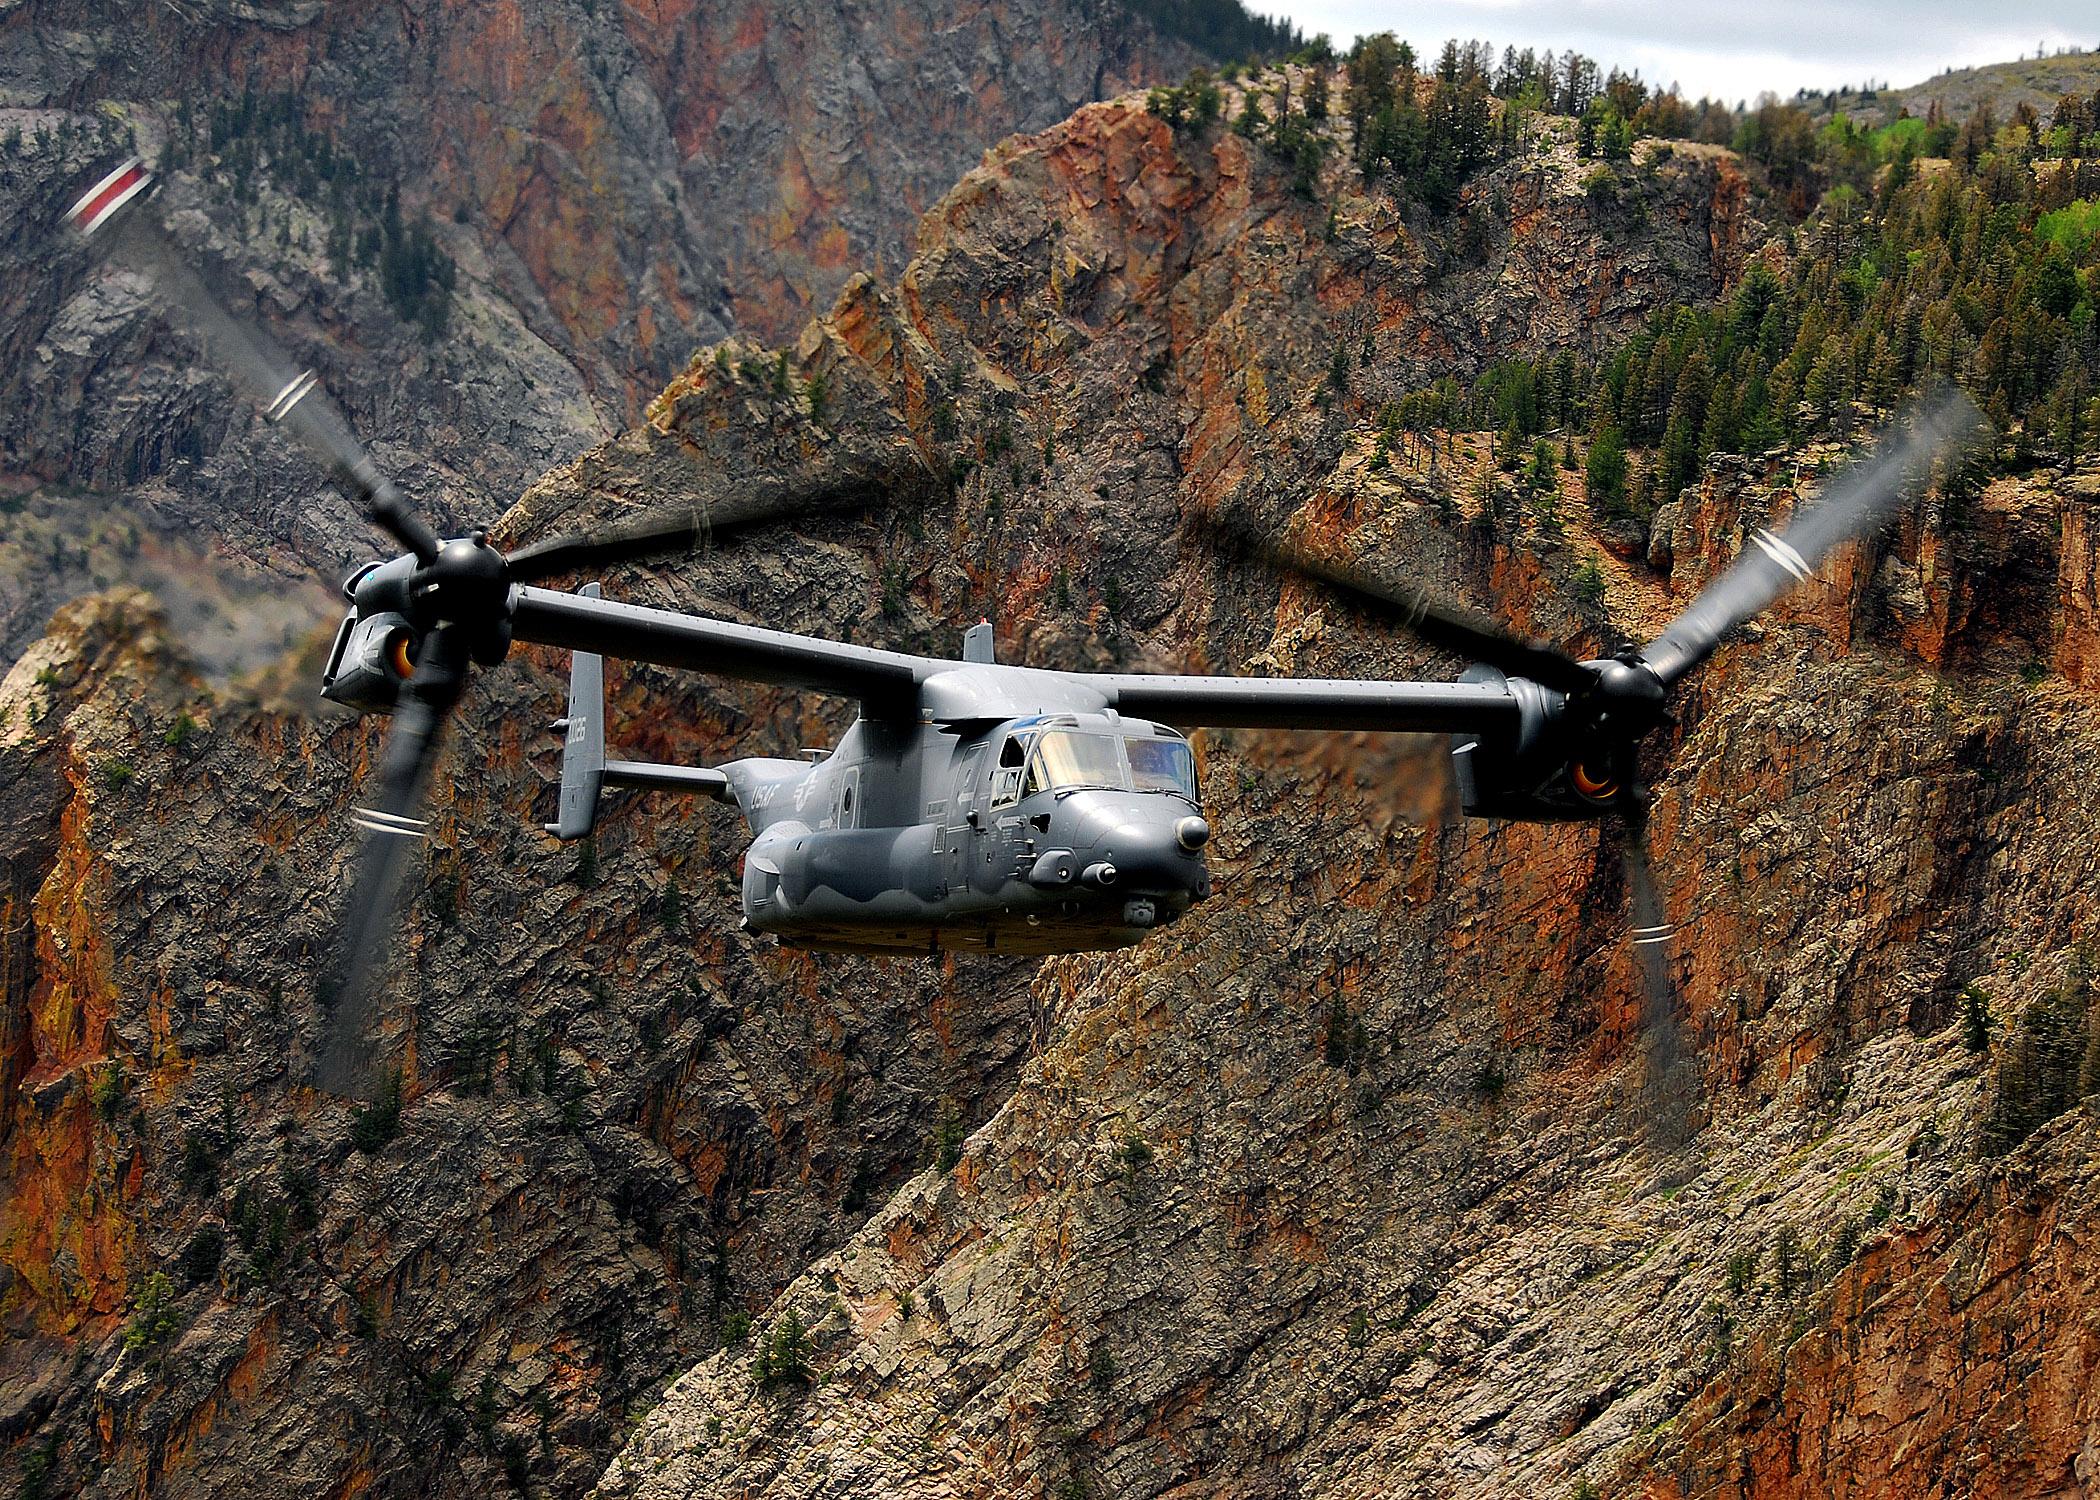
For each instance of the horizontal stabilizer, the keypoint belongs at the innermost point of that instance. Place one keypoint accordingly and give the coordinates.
(696, 779)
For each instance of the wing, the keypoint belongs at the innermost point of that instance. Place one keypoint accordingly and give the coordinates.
(1312, 703)
(887, 681)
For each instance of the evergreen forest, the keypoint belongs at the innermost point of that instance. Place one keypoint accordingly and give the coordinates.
(1924, 249)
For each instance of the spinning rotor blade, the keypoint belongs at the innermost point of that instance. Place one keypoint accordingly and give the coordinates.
(285, 395)
(1667, 1081)
(1771, 565)
(1448, 628)
(112, 212)
(1651, 931)
(391, 827)
(683, 528)
(579, 551)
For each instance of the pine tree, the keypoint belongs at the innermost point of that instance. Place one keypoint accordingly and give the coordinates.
(1604, 475)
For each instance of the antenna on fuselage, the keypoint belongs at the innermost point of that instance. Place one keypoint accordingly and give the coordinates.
(977, 643)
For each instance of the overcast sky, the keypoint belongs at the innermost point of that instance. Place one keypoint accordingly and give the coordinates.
(1729, 49)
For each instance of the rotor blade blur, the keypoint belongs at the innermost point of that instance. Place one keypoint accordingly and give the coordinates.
(391, 829)
(1668, 1076)
(580, 551)
(270, 380)
(1446, 627)
(669, 529)
(1770, 565)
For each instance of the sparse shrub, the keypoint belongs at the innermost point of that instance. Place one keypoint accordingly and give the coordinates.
(155, 1318)
(1786, 1259)
(36, 1468)
(107, 1092)
(1590, 585)
(517, 1459)
(784, 1360)
(373, 1126)
(200, 1164)
(201, 1256)
(1976, 1018)
(948, 1139)
(1844, 1246)
(1742, 1272)
(1335, 1046)
(736, 1328)
(572, 1105)
(181, 732)
(2041, 1069)
(1490, 1082)
(1101, 1368)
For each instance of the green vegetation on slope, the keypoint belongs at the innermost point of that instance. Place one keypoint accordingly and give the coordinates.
(1221, 29)
(242, 147)
(1985, 272)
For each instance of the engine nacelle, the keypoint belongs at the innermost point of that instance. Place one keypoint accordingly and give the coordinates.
(371, 661)
(1560, 765)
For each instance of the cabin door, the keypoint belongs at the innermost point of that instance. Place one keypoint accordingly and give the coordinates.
(961, 831)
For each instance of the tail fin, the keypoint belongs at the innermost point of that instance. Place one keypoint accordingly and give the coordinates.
(583, 747)
(585, 771)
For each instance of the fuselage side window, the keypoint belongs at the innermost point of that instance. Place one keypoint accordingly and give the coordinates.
(966, 780)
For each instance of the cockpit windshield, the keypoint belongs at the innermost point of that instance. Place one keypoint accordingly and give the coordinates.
(1065, 760)
(1162, 766)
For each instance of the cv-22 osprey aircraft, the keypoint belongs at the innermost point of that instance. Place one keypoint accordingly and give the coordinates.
(973, 804)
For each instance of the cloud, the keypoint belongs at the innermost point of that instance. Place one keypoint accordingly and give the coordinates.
(1731, 50)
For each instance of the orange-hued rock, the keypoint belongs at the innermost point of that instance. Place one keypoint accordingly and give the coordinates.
(1478, 1240)
(2078, 584)
(1957, 1358)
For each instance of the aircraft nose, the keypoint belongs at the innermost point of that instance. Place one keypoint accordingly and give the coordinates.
(1155, 858)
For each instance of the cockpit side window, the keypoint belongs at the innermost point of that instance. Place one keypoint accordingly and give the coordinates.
(1006, 779)
(1162, 766)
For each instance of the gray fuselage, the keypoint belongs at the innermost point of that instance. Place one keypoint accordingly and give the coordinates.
(1052, 833)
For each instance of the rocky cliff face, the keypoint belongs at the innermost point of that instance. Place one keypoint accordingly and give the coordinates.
(1363, 1179)
(1366, 1179)
(614, 185)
